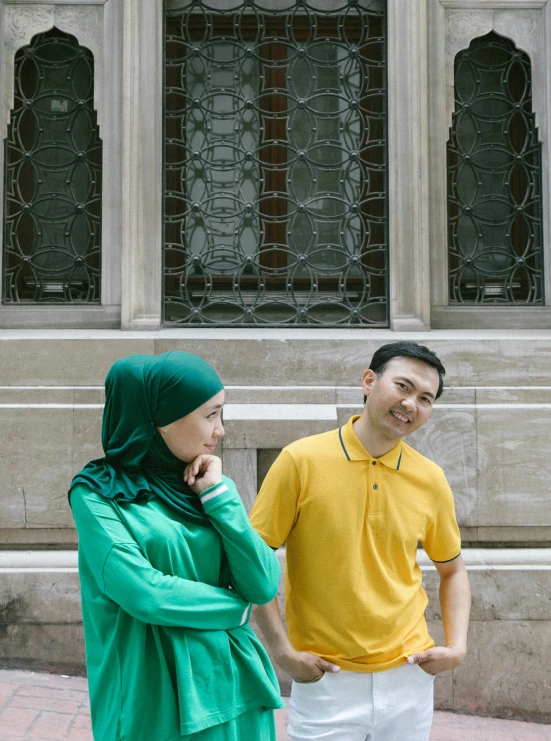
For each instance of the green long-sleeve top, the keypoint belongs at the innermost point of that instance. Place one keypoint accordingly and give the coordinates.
(165, 605)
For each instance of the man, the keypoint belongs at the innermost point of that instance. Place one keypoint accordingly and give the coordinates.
(352, 505)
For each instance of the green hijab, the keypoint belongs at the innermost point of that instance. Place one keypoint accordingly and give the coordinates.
(143, 392)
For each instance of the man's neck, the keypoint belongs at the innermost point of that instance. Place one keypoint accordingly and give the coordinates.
(375, 444)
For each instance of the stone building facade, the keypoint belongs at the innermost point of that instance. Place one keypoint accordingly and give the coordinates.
(286, 378)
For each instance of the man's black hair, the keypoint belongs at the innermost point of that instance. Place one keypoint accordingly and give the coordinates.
(407, 349)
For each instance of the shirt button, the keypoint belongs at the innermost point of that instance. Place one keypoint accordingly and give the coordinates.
(375, 486)
(374, 463)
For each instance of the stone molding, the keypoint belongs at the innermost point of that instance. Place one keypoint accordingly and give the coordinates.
(476, 559)
(453, 24)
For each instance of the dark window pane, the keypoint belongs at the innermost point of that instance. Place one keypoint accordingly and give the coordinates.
(494, 179)
(275, 166)
(52, 207)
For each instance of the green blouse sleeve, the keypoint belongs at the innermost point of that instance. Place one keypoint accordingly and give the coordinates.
(126, 577)
(253, 565)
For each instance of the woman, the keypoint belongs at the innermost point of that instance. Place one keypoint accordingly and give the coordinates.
(169, 566)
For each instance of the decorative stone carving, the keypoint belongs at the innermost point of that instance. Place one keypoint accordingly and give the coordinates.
(520, 26)
(23, 22)
(450, 441)
(83, 22)
(464, 26)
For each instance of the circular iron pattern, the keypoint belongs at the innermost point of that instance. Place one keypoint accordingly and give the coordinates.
(495, 245)
(275, 165)
(52, 206)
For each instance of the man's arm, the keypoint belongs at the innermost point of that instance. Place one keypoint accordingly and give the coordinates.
(300, 665)
(455, 606)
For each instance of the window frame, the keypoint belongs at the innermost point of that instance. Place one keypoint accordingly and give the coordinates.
(97, 25)
(276, 231)
(453, 24)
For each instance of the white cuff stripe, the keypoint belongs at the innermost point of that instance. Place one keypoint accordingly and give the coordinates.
(220, 489)
(245, 615)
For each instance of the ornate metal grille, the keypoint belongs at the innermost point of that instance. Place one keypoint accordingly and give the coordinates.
(52, 207)
(275, 157)
(494, 179)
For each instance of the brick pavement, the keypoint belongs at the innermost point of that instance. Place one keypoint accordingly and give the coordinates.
(49, 707)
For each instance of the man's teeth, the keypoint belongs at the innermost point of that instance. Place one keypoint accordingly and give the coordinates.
(399, 416)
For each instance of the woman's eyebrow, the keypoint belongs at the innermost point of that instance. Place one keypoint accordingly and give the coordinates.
(215, 406)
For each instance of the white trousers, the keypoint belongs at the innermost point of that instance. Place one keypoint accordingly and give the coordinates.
(395, 705)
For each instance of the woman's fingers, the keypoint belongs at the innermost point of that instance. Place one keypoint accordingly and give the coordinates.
(199, 467)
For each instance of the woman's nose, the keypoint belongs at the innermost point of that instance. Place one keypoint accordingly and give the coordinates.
(219, 430)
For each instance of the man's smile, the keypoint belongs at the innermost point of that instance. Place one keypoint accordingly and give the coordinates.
(399, 416)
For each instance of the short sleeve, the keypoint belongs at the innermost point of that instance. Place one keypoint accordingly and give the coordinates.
(442, 541)
(274, 511)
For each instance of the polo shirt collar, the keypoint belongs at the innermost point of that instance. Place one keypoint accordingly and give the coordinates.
(355, 451)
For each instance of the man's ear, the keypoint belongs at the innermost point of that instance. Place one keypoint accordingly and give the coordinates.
(368, 379)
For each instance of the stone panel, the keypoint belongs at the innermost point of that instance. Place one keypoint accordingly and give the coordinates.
(280, 359)
(240, 465)
(339, 357)
(36, 467)
(277, 394)
(449, 439)
(506, 672)
(43, 647)
(514, 470)
(265, 458)
(68, 358)
(277, 358)
(39, 597)
(51, 538)
(86, 436)
(259, 433)
(504, 594)
(533, 534)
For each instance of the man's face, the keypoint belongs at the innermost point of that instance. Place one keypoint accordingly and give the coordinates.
(400, 400)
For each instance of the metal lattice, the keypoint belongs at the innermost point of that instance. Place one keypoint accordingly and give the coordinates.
(494, 179)
(52, 207)
(275, 164)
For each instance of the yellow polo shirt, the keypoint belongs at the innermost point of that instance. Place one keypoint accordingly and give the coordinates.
(352, 524)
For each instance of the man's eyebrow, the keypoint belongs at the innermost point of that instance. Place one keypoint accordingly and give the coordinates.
(410, 382)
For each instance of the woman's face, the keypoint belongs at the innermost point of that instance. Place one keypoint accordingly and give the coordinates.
(197, 433)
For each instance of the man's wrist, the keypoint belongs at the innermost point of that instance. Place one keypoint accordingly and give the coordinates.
(459, 651)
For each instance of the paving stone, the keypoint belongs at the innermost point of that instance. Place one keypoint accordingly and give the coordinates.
(44, 695)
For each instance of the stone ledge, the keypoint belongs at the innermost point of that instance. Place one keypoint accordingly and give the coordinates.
(476, 559)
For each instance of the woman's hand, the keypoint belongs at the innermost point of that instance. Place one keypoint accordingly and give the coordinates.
(203, 472)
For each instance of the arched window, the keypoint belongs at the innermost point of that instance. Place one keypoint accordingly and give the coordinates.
(52, 203)
(275, 166)
(495, 246)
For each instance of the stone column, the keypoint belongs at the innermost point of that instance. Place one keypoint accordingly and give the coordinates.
(239, 464)
(408, 165)
(142, 165)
